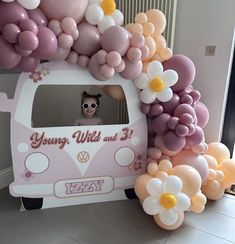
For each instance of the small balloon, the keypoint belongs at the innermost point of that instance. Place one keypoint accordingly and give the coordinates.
(28, 64)
(10, 33)
(69, 25)
(28, 25)
(28, 40)
(38, 17)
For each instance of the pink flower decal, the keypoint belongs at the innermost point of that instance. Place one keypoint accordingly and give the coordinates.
(36, 76)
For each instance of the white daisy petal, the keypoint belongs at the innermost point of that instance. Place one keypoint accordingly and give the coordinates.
(168, 217)
(170, 77)
(118, 17)
(151, 205)
(165, 95)
(148, 96)
(154, 69)
(183, 202)
(142, 81)
(105, 23)
(154, 187)
(172, 184)
(94, 14)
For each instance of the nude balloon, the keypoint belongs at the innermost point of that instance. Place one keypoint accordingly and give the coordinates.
(219, 151)
(140, 186)
(55, 9)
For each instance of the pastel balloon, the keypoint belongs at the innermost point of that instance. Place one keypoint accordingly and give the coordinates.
(211, 161)
(176, 225)
(65, 8)
(10, 33)
(11, 13)
(228, 167)
(65, 40)
(107, 71)
(140, 186)
(55, 26)
(37, 16)
(72, 58)
(28, 40)
(28, 25)
(60, 54)
(47, 43)
(190, 177)
(88, 42)
(28, 64)
(69, 25)
(151, 44)
(158, 19)
(184, 109)
(116, 38)
(114, 59)
(32, 4)
(8, 58)
(170, 106)
(185, 69)
(196, 138)
(173, 142)
(19, 50)
(219, 151)
(160, 123)
(116, 92)
(212, 193)
(156, 110)
(132, 69)
(83, 60)
(197, 161)
(94, 68)
(202, 113)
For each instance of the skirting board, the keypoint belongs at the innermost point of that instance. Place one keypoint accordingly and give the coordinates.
(6, 177)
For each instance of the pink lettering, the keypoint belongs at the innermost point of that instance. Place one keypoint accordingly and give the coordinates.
(82, 137)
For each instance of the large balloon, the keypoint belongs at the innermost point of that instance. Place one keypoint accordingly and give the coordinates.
(11, 13)
(219, 151)
(185, 69)
(88, 42)
(55, 9)
(47, 43)
(202, 114)
(37, 16)
(8, 57)
(27, 64)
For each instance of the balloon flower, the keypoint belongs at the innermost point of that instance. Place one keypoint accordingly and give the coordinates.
(32, 4)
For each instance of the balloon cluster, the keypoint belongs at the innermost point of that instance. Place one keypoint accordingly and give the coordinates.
(175, 116)
(32, 4)
(166, 192)
(24, 39)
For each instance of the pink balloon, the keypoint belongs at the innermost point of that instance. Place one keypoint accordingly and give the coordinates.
(156, 110)
(47, 43)
(60, 54)
(101, 57)
(8, 58)
(114, 59)
(28, 40)
(69, 25)
(65, 40)
(159, 124)
(28, 64)
(83, 60)
(170, 106)
(107, 71)
(132, 70)
(28, 25)
(64, 8)
(173, 142)
(116, 38)
(185, 69)
(11, 13)
(22, 51)
(72, 58)
(88, 42)
(184, 109)
(134, 54)
(202, 113)
(94, 68)
(38, 17)
(10, 33)
(196, 138)
(55, 26)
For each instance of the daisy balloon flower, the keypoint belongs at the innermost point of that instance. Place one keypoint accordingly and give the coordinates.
(104, 14)
(166, 199)
(156, 83)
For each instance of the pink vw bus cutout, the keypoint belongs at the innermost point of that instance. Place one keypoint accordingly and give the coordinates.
(67, 165)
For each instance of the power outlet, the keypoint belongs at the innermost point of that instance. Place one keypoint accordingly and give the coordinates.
(210, 50)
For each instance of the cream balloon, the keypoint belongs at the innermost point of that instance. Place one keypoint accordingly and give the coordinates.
(32, 4)
(219, 151)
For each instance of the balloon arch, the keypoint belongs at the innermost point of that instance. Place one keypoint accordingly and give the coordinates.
(183, 171)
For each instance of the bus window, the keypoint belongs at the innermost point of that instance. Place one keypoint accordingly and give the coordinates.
(61, 105)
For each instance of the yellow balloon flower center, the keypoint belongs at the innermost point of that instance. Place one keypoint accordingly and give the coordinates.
(108, 6)
(168, 200)
(157, 84)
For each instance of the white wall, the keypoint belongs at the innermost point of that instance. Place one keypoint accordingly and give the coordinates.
(200, 23)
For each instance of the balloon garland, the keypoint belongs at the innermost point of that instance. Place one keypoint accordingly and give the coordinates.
(183, 171)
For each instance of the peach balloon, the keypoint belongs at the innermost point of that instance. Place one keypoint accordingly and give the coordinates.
(115, 92)
(161, 175)
(148, 29)
(158, 19)
(211, 161)
(219, 151)
(160, 40)
(195, 160)
(170, 227)
(190, 178)
(141, 18)
(151, 44)
(199, 199)
(140, 186)
(157, 57)
(211, 193)
(152, 169)
(136, 28)
(166, 53)
(228, 167)
(54, 9)
(197, 208)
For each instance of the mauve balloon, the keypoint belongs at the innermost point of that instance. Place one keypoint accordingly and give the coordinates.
(28, 64)
(94, 69)
(202, 113)
(60, 54)
(159, 124)
(37, 16)
(8, 58)
(55, 9)
(47, 43)
(196, 138)
(169, 107)
(11, 32)
(28, 25)
(132, 70)
(88, 42)
(173, 142)
(185, 69)
(11, 13)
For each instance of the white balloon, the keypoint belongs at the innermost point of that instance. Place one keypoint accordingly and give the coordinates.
(151, 205)
(154, 69)
(94, 14)
(165, 95)
(173, 184)
(183, 202)
(29, 4)
(142, 81)
(168, 217)
(170, 77)
(118, 17)
(154, 187)
(8, 1)
(147, 96)
(106, 22)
